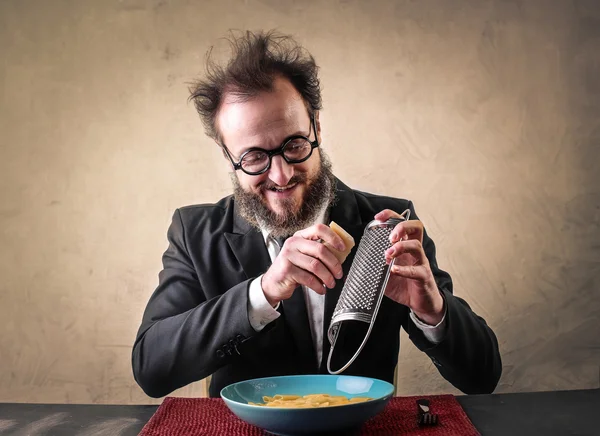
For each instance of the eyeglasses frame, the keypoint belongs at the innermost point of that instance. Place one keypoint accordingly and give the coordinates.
(278, 151)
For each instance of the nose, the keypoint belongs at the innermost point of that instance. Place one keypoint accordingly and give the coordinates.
(280, 172)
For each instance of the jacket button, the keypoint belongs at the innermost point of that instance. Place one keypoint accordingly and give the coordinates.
(220, 353)
(435, 361)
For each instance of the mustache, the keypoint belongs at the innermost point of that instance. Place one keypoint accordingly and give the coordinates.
(268, 184)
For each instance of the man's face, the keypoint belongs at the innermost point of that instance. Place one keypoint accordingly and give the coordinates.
(265, 121)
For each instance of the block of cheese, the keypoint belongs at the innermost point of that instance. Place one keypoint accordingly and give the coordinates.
(346, 237)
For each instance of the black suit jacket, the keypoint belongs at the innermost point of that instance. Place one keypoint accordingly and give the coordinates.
(196, 322)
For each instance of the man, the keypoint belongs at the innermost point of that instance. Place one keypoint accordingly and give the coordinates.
(237, 301)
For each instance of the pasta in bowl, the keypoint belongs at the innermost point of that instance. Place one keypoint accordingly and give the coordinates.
(308, 404)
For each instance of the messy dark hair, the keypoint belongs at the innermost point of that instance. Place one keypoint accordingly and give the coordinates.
(256, 60)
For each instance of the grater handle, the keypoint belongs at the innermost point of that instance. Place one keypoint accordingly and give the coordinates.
(405, 216)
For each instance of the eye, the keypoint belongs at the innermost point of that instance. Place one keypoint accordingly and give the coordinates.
(296, 144)
(297, 148)
(254, 158)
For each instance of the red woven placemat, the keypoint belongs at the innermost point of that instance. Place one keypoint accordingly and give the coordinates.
(210, 416)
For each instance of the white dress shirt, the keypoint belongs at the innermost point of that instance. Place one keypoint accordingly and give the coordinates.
(261, 313)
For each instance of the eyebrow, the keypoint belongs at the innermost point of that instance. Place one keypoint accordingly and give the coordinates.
(297, 133)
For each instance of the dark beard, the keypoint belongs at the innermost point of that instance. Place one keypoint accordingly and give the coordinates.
(320, 192)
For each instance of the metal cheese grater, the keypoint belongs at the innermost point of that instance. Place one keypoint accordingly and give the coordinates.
(364, 287)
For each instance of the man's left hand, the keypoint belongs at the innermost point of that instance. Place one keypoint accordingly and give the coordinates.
(411, 281)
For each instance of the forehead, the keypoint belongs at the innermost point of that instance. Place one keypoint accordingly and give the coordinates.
(263, 120)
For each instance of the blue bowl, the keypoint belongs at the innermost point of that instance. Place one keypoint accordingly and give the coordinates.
(344, 420)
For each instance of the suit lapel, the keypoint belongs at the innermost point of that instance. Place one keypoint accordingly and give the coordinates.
(248, 246)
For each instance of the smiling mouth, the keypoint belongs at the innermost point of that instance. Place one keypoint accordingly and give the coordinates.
(282, 188)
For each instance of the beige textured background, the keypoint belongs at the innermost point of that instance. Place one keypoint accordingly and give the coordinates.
(485, 113)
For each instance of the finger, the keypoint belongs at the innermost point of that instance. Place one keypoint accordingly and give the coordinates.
(412, 247)
(318, 251)
(407, 230)
(415, 272)
(313, 265)
(324, 233)
(304, 278)
(386, 214)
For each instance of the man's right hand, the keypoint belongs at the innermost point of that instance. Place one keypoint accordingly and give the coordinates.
(304, 260)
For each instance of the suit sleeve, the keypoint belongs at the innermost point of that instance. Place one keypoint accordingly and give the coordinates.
(185, 337)
(468, 354)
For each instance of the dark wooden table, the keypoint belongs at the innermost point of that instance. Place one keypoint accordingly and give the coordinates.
(537, 413)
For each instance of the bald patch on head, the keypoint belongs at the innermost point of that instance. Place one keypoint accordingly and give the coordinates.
(262, 120)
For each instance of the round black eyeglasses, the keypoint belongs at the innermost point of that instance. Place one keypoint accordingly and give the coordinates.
(294, 149)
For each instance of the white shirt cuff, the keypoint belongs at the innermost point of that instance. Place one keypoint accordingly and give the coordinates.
(260, 312)
(433, 333)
